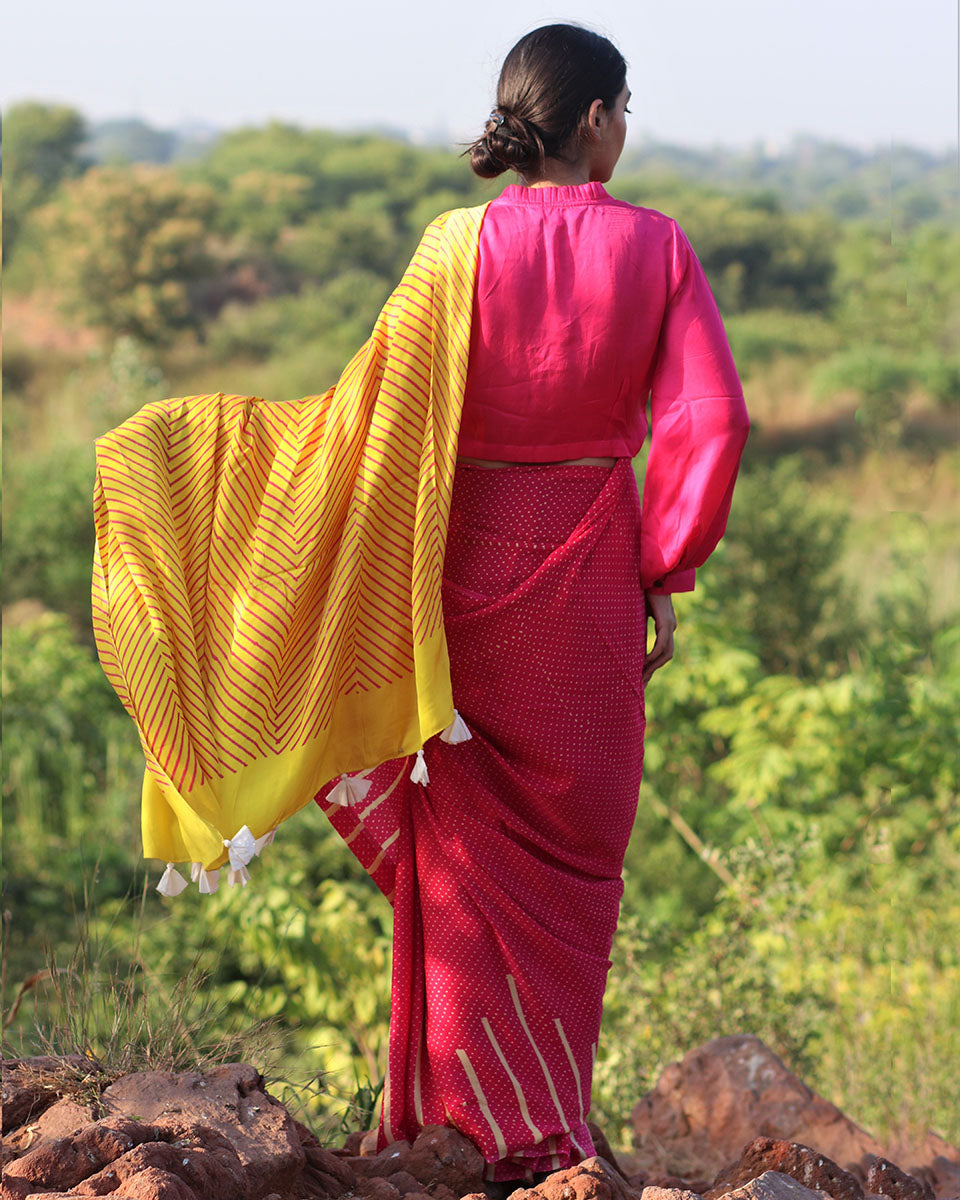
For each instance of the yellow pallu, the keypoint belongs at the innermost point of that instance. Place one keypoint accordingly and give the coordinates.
(267, 576)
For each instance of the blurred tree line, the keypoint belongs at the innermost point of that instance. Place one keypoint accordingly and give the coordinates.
(794, 868)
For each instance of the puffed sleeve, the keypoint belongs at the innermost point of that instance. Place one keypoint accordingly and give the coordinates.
(698, 428)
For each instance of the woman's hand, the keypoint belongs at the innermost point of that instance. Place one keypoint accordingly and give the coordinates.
(664, 624)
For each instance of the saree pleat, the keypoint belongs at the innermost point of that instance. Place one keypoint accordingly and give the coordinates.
(505, 869)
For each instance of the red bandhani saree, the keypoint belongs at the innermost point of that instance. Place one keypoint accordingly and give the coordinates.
(504, 868)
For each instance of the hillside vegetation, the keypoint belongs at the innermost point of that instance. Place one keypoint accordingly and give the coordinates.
(795, 867)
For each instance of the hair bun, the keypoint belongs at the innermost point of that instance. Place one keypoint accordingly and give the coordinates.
(547, 84)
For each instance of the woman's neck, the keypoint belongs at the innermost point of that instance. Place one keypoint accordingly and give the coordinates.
(558, 174)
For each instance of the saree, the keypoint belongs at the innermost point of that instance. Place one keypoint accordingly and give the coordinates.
(267, 577)
(504, 867)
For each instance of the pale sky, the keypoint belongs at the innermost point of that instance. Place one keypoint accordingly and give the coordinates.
(865, 72)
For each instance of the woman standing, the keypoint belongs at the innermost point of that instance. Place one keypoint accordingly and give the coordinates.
(286, 593)
(503, 860)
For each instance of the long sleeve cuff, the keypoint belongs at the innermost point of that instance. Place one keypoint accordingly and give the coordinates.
(675, 581)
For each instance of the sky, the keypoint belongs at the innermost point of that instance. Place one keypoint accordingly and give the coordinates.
(703, 72)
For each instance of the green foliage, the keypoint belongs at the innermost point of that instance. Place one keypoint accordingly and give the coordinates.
(731, 974)
(262, 203)
(40, 149)
(308, 942)
(794, 861)
(129, 140)
(122, 1014)
(755, 255)
(133, 379)
(323, 246)
(899, 292)
(337, 315)
(939, 376)
(48, 529)
(63, 728)
(778, 582)
(340, 168)
(855, 986)
(763, 335)
(878, 376)
(127, 244)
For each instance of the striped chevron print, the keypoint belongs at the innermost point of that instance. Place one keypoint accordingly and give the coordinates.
(267, 576)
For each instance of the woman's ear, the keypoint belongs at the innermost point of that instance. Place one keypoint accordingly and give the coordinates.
(596, 114)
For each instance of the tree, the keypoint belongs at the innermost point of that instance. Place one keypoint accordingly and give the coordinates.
(40, 149)
(128, 247)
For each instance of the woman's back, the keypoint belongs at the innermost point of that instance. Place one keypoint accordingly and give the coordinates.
(582, 304)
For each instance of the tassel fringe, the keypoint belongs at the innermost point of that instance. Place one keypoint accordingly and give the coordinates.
(456, 731)
(241, 848)
(419, 773)
(171, 882)
(349, 790)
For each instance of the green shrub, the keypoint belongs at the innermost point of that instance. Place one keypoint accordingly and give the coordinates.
(48, 529)
(64, 730)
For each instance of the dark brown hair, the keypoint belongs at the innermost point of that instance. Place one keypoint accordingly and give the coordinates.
(547, 83)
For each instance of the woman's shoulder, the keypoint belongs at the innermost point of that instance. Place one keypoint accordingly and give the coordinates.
(643, 219)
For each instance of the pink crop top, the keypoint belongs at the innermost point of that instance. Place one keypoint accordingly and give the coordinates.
(584, 307)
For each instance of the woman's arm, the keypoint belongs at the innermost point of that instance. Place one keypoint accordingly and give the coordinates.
(699, 427)
(660, 607)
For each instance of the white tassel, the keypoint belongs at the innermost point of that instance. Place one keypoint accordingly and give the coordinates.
(171, 882)
(266, 840)
(419, 772)
(238, 878)
(456, 731)
(196, 870)
(209, 881)
(349, 789)
(241, 847)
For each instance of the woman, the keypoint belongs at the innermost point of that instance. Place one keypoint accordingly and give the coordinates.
(505, 868)
(286, 593)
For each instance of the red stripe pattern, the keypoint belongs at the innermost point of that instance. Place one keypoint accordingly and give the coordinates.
(267, 575)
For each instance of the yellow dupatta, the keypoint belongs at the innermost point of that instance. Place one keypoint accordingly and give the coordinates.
(266, 591)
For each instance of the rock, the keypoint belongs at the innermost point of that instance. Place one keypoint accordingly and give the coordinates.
(63, 1117)
(654, 1192)
(327, 1174)
(153, 1184)
(440, 1191)
(442, 1155)
(61, 1164)
(231, 1100)
(376, 1188)
(391, 1158)
(670, 1183)
(933, 1160)
(31, 1085)
(775, 1185)
(602, 1147)
(813, 1170)
(15, 1189)
(200, 1157)
(886, 1178)
(110, 1156)
(707, 1107)
(405, 1183)
(351, 1146)
(591, 1177)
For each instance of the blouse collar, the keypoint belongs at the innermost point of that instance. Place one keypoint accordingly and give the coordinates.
(518, 193)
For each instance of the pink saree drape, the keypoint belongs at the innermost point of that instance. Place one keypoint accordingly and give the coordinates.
(504, 870)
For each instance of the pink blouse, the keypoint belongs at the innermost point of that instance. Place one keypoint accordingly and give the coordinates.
(585, 306)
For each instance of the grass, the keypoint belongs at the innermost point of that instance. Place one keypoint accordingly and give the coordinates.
(97, 1016)
(124, 1016)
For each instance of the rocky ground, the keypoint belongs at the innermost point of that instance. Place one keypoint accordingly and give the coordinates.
(728, 1120)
